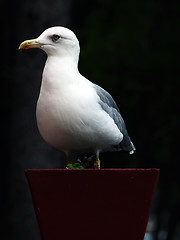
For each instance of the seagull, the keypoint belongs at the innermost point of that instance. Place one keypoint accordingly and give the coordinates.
(73, 114)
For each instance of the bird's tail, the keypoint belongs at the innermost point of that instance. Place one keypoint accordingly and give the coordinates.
(127, 145)
(133, 148)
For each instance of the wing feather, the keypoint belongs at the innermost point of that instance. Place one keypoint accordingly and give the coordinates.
(108, 104)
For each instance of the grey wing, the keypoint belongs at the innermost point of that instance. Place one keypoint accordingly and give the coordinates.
(109, 105)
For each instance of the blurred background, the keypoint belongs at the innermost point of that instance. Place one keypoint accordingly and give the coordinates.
(130, 48)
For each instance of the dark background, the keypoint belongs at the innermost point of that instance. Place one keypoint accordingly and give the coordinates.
(130, 48)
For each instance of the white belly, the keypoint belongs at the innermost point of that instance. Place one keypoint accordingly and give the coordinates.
(75, 122)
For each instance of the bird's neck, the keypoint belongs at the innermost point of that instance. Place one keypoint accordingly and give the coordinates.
(62, 63)
(59, 71)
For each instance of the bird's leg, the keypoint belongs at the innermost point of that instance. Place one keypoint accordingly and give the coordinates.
(69, 162)
(97, 162)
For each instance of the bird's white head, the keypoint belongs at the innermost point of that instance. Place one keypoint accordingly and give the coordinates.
(56, 41)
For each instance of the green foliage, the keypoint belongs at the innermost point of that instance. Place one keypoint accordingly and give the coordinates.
(76, 165)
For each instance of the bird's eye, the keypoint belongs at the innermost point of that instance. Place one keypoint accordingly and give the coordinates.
(55, 37)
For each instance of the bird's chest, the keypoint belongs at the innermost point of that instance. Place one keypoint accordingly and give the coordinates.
(61, 116)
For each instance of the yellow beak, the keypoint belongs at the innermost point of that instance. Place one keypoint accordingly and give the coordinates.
(30, 44)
